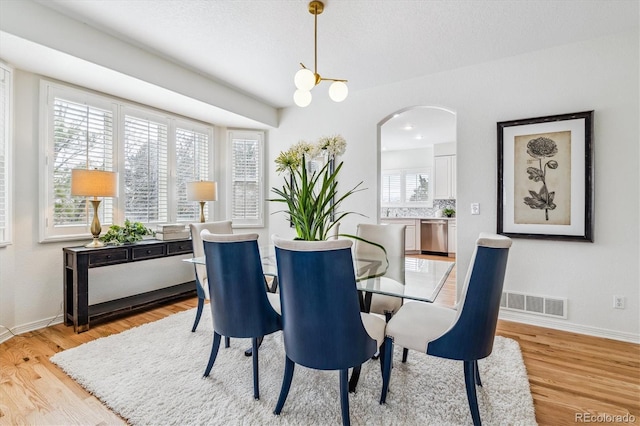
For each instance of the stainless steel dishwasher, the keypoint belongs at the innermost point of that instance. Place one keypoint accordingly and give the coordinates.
(433, 236)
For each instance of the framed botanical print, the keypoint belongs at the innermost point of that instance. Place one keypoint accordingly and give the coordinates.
(545, 177)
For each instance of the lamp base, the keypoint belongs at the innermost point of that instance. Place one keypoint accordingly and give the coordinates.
(202, 211)
(95, 244)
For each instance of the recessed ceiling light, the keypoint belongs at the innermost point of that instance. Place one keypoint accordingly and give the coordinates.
(419, 137)
(408, 127)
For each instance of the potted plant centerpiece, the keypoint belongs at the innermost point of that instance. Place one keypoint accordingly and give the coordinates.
(127, 234)
(311, 192)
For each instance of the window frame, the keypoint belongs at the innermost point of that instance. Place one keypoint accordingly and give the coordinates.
(246, 134)
(404, 196)
(6, 236)
(49, 90)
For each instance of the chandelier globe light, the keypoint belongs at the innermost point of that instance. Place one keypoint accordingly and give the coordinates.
(305, 79)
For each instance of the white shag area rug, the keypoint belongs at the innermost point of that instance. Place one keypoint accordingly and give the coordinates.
(152, 375)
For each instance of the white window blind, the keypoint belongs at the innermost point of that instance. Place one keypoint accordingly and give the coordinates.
(154, 154)
(146, 169)
(5, 132)
(247, 200)
(192, 157)
(82, 139)
(391, 188)
(406, 187)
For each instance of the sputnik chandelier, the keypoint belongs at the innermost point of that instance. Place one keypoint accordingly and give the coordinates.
(305, 79)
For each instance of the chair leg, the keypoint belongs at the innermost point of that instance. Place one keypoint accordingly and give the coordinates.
(386, 372)
(214, 352)
(355, 376)
(227, 342)
(469, 380)
(256, 382)
(198, 314)
(289, 366)
(344, 396)
(405, 354)
(477, 371)
(381, 350)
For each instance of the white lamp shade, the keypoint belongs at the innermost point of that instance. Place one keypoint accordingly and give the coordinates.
(203, 190)
(338, 91)
(302, 98)
(304, 79)
(94, 183)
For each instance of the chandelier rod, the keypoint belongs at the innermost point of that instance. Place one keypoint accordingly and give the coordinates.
(315, 40)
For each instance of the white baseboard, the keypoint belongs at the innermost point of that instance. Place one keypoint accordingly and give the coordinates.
(36, 325)
(547, 322)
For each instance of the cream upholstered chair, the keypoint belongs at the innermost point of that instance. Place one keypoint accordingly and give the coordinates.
(202, 287)
(392, 238)
(466, 333)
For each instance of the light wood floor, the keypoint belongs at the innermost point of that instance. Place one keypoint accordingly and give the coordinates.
(570, 374)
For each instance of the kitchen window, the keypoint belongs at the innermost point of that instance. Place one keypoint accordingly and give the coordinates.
(406, 188)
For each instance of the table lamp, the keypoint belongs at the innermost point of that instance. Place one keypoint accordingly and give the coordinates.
(202, 191)
(94, 183)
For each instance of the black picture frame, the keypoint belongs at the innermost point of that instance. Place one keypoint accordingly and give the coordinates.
(545, 177)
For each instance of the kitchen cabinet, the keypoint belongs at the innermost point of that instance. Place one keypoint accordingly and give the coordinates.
(451, 238)
(444, 177)
(412, 233)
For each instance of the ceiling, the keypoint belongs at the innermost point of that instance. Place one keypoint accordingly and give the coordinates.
(255, 47)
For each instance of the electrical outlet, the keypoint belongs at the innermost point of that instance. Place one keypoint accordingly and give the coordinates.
(618, 302)
(475, 208)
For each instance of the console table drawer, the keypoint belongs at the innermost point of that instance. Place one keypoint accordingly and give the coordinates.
(113, 256)
(148, 252)
(179, 247)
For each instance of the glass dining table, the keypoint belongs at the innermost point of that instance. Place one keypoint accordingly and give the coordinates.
(406, 277)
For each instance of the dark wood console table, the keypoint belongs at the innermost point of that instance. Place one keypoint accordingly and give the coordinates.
(78, 260)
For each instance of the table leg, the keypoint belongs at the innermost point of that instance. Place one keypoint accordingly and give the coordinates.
(249, 351)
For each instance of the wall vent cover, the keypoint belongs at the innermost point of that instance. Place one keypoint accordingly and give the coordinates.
(534, 304)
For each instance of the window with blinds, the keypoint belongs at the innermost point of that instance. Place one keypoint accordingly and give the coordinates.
(5, 132)
(247, 200)
(193, 159)
(154, 154)
(391, 188)
(146, 169)
(82, 138)
(406, 187)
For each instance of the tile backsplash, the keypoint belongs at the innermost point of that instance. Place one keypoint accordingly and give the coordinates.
(417, 211)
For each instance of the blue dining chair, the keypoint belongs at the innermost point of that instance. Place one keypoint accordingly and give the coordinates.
(464, 333)
(202, 286)
(240, 304)
(323, 327)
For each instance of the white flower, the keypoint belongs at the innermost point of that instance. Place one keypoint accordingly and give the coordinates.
(310, 151)
(334, 146)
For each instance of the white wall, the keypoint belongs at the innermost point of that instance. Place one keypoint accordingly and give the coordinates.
(600, 75)
(407, 159)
